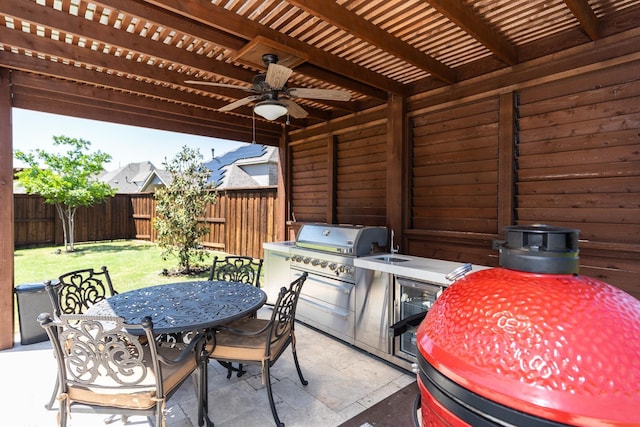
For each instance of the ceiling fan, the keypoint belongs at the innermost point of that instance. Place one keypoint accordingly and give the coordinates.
(272, 96)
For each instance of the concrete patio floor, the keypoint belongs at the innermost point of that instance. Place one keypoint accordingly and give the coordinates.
(343, 381)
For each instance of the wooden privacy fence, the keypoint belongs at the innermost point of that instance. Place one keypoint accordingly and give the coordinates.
(239, 222)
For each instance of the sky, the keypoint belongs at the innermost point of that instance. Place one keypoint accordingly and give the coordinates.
(125, 144)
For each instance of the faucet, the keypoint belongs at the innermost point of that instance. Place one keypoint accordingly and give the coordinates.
(394, 249)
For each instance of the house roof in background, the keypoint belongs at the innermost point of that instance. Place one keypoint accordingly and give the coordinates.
(219, 165)
(132, 178)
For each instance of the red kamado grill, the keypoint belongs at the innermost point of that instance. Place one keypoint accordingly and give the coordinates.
(531, 343)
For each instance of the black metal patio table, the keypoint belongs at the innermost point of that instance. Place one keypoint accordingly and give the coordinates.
(184, 307)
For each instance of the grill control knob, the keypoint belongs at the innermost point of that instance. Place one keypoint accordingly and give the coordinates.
(315, 262)
(323, 264)
(306, 260)
(332, 266)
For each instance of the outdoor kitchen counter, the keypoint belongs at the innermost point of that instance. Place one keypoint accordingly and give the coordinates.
(413, 267)
(278, 246)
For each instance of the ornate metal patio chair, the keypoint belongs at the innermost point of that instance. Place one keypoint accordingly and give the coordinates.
(74, 293)
(78, 290)
(104, 368)
(236, 269)
(262, 341)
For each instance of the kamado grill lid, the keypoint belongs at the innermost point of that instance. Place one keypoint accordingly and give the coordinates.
(540, 248)
(560, 346)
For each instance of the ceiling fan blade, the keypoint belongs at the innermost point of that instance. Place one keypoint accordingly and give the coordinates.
(294, 109)
(199, 82)
(239, 103)
(327, 94)
(277, 75)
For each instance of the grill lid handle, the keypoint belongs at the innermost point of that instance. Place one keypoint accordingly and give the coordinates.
(459, 272)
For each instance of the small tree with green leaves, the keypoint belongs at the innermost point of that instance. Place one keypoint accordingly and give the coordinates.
(181, 205)
(67, 180)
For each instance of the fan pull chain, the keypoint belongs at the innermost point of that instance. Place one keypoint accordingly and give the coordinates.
(253, 128)
(287, 122)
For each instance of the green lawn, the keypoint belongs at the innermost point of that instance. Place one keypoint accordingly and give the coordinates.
(132, 264)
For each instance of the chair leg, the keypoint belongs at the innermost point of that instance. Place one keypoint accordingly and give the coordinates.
(159, 421)
(240, 370)
(203, 392)
(124, 418)
(267, 374)
(62, 415)
(295, 359)
(54, 394)
(230, 368)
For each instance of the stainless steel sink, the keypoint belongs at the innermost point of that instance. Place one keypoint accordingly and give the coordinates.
(389, 258)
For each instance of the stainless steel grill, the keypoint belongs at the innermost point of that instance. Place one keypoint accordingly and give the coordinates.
(326, 252)
(342, 239)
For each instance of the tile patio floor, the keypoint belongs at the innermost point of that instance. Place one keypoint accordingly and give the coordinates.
(343, 381)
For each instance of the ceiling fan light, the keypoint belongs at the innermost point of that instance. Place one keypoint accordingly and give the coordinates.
(270, 109)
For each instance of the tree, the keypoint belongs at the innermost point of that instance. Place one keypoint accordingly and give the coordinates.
(67, 180)
(180, 206)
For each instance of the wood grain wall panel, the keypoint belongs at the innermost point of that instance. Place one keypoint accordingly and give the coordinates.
(454, 160)
(452, 246)
(361, 174)
(309, 162)
(34, 221)
(579, 166)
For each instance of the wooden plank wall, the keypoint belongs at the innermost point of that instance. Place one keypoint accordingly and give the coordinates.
(143, 207)
(361, 166)
(239, 222)
(106, 221)
(37, 223)
(454, 170)
(308, 188)
(561, 148)
(579, 167)
(454, 178)
(250, 220)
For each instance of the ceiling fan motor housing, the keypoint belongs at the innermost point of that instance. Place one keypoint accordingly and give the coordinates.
(269, 58)
(270, 88)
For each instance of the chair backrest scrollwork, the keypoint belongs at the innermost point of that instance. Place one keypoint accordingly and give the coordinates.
(78, 290)
(284, 311)
(100, 352)
(236, 269)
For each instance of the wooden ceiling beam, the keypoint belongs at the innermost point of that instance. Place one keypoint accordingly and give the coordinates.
(108, 80)
(461, 14)
(231, 42)
(99, 109)
(123, 117)
(134, 76)
(588, 20)
(82, 27)
(218, 17)
(171, 20)
(115, 97)
(132, 42)
(342, 18)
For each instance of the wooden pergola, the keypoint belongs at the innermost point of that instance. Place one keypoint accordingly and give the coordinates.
(127, 61)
